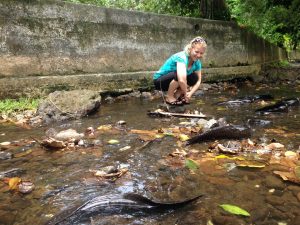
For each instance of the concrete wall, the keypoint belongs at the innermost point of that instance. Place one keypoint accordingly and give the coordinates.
(294, 55)
(47, 39)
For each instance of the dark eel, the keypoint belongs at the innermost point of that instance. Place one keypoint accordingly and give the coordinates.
(223, 132)
(127, 201)
(244, 100)
(281, 106)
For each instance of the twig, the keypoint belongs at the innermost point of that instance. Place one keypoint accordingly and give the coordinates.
(169, 114)
(143, 146)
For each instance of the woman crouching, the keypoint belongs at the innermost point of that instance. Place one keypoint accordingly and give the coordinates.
(180, 75)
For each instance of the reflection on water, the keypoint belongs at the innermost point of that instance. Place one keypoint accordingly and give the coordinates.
(63, 180)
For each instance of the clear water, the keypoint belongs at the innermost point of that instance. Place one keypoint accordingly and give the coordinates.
(62, 178)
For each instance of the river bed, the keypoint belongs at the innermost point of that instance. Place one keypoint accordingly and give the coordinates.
(63, 179)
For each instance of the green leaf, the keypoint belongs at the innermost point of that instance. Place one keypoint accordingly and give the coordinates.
(234, 210)
(191, 164)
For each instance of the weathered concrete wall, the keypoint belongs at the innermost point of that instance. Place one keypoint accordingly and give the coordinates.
(294, 55)
(40, 39)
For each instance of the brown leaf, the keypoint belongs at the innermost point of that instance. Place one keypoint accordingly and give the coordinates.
(290, 176)
(274, 146)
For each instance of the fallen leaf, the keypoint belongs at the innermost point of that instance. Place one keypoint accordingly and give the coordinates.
(178, 152)
(274, 146)
(191, 164)
(13, 183)
(221, 108)
(159, 136)
(228, 157)
(21, 154)
(183, 137)
(250, 164)
(105, 127)
(234, 210)
(290, 176)
(147, 132)
(291, 154)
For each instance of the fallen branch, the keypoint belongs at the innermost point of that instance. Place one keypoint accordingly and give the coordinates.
(170, 114)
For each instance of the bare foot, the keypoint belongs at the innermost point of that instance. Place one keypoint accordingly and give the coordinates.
(170, 99)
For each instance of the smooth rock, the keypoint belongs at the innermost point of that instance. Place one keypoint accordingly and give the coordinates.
(272, 181)
(5, 155)
(274, 200)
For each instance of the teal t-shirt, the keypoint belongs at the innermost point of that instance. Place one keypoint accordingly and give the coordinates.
(171, 65)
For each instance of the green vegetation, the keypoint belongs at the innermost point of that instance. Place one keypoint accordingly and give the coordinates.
(211, 9)
(280, 64)
(9, 106)
(277, 21)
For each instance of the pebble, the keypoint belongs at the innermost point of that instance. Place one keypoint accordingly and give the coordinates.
(272, 181)
(5, 143)
(5, 155)
(271, 190)
(146, 95)
(125, 148)
(26, 187)
(259, 214)
(274, 200)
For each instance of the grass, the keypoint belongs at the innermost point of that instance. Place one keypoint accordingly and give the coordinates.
(281, 64)
(8, 106)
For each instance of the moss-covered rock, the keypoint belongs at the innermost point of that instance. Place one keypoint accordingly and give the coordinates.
(65, 105)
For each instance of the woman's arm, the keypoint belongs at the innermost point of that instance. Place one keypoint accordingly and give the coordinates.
(195, 87)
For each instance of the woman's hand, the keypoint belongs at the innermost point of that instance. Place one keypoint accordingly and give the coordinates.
(188, 97)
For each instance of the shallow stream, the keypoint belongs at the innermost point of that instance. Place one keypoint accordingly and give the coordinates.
(63, 179)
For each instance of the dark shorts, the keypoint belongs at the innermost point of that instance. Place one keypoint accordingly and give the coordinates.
(162, 83)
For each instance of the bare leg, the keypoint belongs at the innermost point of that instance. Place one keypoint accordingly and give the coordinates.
(178, 93)
(174, 85)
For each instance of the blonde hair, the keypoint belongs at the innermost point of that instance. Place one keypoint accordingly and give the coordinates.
(196, 40)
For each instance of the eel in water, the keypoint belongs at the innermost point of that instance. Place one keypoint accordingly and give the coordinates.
(281, 106)
(129, 201)
(245, 100)
(223, 132)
